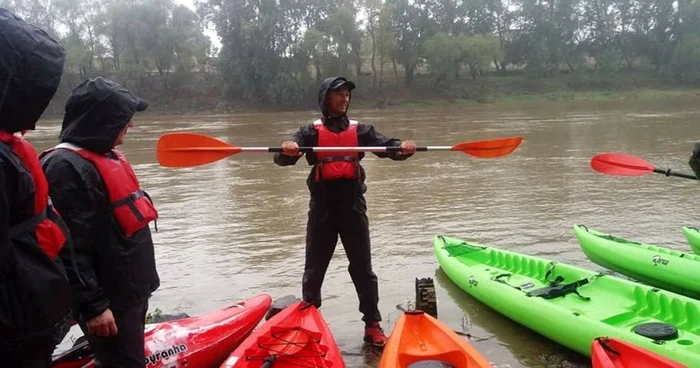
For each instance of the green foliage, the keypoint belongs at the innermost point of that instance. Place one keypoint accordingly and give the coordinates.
(275, 52)
(686, 61)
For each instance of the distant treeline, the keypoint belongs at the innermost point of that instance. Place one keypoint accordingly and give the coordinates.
(274, 52)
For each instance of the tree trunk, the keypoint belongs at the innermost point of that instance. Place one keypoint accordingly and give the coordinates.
(374, 53)
(409, 73)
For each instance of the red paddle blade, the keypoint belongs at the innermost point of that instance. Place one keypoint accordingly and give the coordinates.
(191, 149)
(489, 148)
(620, 164)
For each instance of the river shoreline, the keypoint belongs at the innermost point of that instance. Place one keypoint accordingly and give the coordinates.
(495, 100)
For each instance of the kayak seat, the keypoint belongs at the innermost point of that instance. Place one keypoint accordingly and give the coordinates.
(417, 358)
(430, 364)
(556, 290)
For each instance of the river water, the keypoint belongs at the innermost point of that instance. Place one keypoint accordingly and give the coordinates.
(235, 228)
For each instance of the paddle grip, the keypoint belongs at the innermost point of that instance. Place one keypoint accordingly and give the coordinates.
(311, 149)
(668, 172)
(398, 149)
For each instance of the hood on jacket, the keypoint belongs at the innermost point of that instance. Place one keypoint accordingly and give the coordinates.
(330, 84)
(96, 112)
(31, 65)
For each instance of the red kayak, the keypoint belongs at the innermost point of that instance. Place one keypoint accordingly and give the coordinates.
(614, 353)
(202, 341)
(295, 337)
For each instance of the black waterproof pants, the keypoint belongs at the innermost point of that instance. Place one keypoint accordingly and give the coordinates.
(33, 353)
(126, 348)
(343, 214)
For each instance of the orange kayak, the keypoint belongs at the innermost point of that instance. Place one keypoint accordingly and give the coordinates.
(614, 353)
(419, 338)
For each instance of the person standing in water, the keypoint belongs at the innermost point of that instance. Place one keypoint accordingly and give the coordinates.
(337, 205)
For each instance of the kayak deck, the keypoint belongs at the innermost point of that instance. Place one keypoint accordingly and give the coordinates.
(295, 337)
(661, 267)
(418, 339)
(199, 341)
(571, 305)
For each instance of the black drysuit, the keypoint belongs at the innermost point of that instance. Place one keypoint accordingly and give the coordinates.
(34, 291)
(338, 207)
(117, 272)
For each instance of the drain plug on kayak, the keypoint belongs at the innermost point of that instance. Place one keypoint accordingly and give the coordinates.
(657, 331)
(426, 300)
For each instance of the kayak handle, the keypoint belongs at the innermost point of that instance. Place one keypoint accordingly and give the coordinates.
(269, 361)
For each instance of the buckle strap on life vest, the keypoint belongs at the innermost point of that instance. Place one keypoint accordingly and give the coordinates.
(337, 158)
(129, 202)
(27, 225)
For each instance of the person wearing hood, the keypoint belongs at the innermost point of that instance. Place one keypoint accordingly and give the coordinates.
(98, 194)
(35, 294)
(337, 205)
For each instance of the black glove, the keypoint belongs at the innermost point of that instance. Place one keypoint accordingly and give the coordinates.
(694, 161)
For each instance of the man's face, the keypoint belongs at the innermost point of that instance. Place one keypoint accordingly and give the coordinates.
(338, 100)
(120, 138)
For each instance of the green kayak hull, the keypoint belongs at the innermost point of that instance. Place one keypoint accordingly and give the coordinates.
(692, 235)
(661, 267)
(513, 283)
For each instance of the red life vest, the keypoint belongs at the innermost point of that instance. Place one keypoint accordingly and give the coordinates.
(50, 230)
(337, 165)
(131, 206)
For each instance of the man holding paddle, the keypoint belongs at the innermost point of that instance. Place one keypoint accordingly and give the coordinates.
(334, 146)
(337, 205)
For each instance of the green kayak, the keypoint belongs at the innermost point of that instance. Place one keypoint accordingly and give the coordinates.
(571, 305)
(661, 267)
(693, 236)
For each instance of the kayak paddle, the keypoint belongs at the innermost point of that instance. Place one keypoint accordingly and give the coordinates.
(191, 149)
(625, 165)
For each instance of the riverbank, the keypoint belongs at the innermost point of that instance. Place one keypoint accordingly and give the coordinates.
(488, 89)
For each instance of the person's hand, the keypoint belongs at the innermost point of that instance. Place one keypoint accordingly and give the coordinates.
(102, 325)
(290, 148)
(408, 148)
(696, 151)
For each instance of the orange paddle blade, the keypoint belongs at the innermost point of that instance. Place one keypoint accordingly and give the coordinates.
(489, 148)
(620, 164)
(191, 149)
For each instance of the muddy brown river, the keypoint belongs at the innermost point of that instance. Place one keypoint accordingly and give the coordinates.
(235, 228)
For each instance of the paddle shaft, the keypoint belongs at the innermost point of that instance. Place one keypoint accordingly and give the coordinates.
(308, 149)
(346, 149)
(668, 172)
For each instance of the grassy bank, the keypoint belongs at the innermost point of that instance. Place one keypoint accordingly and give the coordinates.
(513, 87)
(516, 87)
